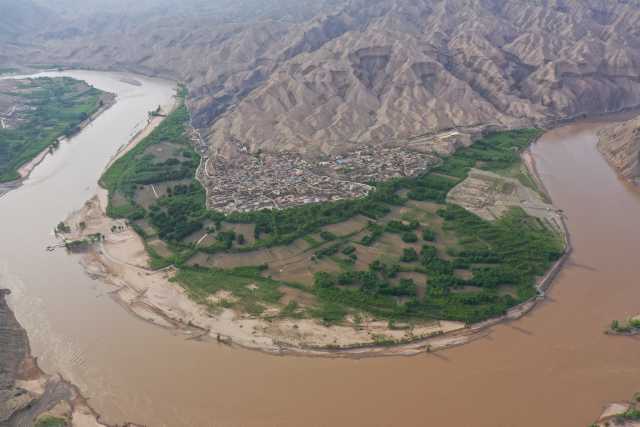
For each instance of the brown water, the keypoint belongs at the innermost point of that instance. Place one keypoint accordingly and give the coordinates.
(553, 368)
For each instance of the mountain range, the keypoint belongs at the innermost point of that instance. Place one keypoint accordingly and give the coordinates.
(315, 76)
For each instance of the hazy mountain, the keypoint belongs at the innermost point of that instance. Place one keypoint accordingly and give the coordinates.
(18, 18)
(312, 75)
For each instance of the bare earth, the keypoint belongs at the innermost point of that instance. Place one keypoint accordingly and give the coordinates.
(490, 196)
(612, 413)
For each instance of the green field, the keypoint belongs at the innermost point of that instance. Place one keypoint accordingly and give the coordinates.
(52, 108)
(410, 256)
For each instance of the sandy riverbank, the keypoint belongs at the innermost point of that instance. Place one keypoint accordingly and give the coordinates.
(152, 123)
(121, 262)
(620, 414)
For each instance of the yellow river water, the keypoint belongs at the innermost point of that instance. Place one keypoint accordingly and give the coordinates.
(555, 367)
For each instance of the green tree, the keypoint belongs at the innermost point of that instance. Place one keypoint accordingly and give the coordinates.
(409, 255)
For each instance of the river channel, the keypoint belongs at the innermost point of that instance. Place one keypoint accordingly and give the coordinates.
(555, 367)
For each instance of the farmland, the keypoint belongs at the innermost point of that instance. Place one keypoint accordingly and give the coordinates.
(402, 253)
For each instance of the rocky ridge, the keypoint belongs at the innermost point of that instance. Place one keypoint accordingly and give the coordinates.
(620, 145)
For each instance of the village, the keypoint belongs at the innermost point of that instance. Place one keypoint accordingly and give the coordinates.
(280, 180)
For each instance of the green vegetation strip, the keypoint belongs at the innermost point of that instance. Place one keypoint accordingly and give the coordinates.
(51, 421)
(504, 257)
(55, 107)
(246, 284)
(631, 326)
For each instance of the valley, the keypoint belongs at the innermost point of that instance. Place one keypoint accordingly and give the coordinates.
(252, 212)
(123, 265)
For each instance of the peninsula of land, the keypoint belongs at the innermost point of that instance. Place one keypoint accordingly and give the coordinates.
(420, 261)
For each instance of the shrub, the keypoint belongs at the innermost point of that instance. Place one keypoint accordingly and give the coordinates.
(63, 228)
(409, 255)
(428, 235)
(349, 250)
(409, 237)
(327, 236)
(330, 312)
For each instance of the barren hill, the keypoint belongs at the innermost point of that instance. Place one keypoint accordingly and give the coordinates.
(313, 76)
(416, 66)
(620, 144)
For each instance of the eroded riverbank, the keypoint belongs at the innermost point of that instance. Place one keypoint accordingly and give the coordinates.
(28, 396)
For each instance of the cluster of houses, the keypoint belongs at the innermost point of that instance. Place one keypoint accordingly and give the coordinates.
(250, 182)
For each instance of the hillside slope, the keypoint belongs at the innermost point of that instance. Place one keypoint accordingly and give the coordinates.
(620, 144)
(312, 76)
(420, 66)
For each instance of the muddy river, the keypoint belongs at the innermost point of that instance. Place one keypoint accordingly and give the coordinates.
(554, 368)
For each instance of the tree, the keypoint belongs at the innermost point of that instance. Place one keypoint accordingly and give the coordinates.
(409, 237)
(615, 325)
(63, 228)
(327, 236)
(376, 266)
(428, 235)
(409, 255)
